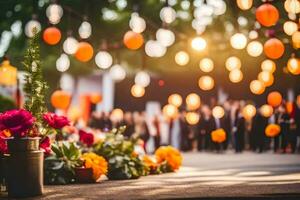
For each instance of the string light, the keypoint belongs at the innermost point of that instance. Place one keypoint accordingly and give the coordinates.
(117, 73)
(182, 58)
(206, 65)
(175, 99)
(255, 48)
(63, 63)
(238, 41)
(236, 76)
(142, 78)
(167, 14)
(206, 83)
(198, 44)
(233, 63)
(192, 101)
(103, 59)
(165, 37)
(137, 91)
(70, 45)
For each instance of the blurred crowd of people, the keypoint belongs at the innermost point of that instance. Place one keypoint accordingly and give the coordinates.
(241, 133)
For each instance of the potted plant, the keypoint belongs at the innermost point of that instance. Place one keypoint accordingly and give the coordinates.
(25, 160)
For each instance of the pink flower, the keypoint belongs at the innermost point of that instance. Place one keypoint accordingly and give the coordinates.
(18, 122)
(55, 121)
(86, 138)
(45, 145)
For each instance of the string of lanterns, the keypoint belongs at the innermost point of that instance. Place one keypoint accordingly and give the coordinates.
(266, 15)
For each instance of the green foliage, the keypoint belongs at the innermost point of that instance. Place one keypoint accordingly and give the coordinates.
(123, 163)
(59, 168)
(35, 87)
(6, 104)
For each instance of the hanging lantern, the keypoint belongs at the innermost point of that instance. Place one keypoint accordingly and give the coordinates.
(52, 35)
(296, 39)
(165, 37)
(63, 63)
(273, 48)
(54, 13)
(85, 30)
(84, 52)
(274, 99)
(175, 99)
(290, 27)
(268, 66)
(266, 77)
(249, 111)
(266, 110)
(244, 4)
(155, 49)
(117, 72)
(206, 83)
(238, 41)
(30, 26)
(95, 98)
(8, 74)
(257, 87)
(70, 45)
(293, 66)
(170, 111)
(255, 48)
(233, 63)
(192, 118)
(133, 40)
(182, 58)
(206, 65)
(267, 15)
(167, 14)
(198, 44)
(292, 6)
(103, 59)
(137, 23)
(137, 91)
(142, 78)
(193, 101)
(61, 99)
(218, 112)
(117, 115)
(235, 76)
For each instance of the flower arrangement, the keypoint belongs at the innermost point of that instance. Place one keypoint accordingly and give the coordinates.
(151, 164)
(123, 162)
(272, 130)
(168, 158)
(97, 163)
(218, 135)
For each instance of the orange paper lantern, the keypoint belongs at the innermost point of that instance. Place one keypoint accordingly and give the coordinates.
(133, 40)
(60, 99)
(218, 135)
(95, 98)
(274, 99)
(267, 14)
(273, 48)
(52, 35)
(272, 130)
(84, 52)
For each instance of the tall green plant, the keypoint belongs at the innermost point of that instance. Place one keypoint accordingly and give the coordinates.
(35, 87)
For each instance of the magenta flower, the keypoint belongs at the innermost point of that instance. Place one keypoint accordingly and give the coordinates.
(18, 122)
(55, 121)
(45, 145)
(86, 138)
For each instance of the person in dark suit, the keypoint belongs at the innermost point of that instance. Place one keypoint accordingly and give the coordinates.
(297, 121)
(284, 122)
(205, 127)
(259, 125)
(186, 140)
(239, 132)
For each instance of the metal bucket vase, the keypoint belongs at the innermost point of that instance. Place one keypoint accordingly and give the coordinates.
(25, 167)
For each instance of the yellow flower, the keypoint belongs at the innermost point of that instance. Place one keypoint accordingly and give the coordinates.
(169, 154)
(218, 135)
(272, 130)
(97, 163)
(150, 162)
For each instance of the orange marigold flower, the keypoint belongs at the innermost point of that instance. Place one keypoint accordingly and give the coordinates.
(97, 163)
(169, 154)
(150, 162)
(218, 135)
(272, 130)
